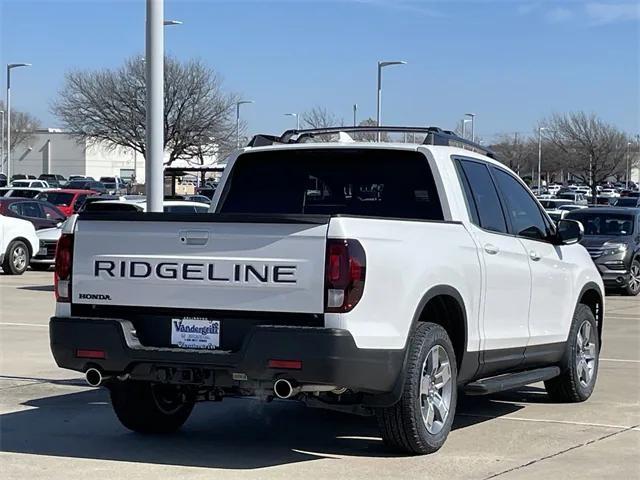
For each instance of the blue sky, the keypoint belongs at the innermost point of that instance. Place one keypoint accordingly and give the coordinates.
(511, 62)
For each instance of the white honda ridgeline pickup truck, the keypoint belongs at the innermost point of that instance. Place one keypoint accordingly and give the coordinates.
(378, 278)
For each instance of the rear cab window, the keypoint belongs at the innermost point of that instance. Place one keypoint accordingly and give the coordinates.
(362, 182)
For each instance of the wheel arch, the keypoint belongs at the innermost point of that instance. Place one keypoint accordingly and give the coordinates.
(592, 296)
(25, 241)
(434, 300)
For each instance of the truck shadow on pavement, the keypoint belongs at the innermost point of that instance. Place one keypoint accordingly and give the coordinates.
(233, 434)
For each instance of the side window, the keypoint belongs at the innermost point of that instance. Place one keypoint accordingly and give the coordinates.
(484, 197)
(50, 213)
(31, 209)
(16, 208)
(526, 218)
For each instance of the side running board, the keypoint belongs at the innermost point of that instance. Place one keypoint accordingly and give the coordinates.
(509, 381)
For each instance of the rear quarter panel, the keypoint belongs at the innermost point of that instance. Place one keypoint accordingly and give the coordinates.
(405, 259)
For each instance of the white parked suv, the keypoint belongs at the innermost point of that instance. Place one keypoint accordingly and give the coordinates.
(18, 243)
(374, 278)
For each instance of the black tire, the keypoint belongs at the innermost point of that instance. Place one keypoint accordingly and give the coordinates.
(569, 386)
(402, 425)
(147, 408)
(633, 287)
(10, 265)
(40, 267)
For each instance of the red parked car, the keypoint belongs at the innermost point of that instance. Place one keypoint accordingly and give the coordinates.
(68, 201)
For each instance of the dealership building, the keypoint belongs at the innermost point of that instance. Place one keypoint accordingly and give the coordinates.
(56, 151)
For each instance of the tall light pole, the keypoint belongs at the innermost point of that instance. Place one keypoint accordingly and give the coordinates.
(154, 123)
(464, 127)
(10, 67)
(627, 173)
(297, 119)
(540, 159)
(381, 65)
(473, 125)
(355, 114)
(1, 140)
(241, 102)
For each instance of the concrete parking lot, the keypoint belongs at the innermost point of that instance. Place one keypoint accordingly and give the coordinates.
(53, 426)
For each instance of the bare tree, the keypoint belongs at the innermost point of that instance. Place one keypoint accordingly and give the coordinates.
(516, 152)
(369, 136)
(320, 117)
(23, 125)
(591, 149)
(108, 106)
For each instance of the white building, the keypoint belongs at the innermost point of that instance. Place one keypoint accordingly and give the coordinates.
(55, 151)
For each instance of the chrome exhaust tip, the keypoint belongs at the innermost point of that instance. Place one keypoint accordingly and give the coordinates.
(93, 377)
(284, 389)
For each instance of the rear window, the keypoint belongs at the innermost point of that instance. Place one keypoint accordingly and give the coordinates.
(111, 207)
(57, 198)
(380, 183)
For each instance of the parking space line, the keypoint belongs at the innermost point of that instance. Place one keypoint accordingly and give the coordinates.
(619, 360)
(540, 420)
(12, 324)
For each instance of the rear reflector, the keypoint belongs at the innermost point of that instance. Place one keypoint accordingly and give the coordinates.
(286, 364)
(90, 353)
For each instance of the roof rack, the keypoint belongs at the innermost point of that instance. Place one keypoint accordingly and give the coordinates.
(433, 136)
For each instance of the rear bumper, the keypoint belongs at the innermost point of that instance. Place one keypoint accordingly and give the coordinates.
(329, 356)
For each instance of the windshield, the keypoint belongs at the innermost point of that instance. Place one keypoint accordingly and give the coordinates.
(604, 224)
(57, 198)
(626, 202)
(108, 179)
(553, 203)
(78, 185)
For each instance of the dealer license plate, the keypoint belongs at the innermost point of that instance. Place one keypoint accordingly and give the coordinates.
(192, 332)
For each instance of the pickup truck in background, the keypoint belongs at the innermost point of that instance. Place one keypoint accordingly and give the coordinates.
(375, 278)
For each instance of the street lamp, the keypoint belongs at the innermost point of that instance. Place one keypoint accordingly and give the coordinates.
(473, 124)
(154, 122)
(355, 114)
(464, 127)
(628, 172)
(241, 102)
(297, 119)
(10, 66)
(540, 159)
(2, 140)
(381, 65)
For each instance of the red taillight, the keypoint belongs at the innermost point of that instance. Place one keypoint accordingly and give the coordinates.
(62, 276)
(344, 275)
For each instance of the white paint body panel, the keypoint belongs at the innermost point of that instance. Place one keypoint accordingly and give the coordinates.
(260, 245)
(13, 228)
(510, 300)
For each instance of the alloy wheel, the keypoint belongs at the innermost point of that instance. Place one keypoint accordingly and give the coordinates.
(634, 278)
(19, 258)
(435, 389)
(585, 354)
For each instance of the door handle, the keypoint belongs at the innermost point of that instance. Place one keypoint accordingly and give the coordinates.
(534, 255)
(194, 237)
(491, 249)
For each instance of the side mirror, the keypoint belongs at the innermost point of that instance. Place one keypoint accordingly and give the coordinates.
(569, 232)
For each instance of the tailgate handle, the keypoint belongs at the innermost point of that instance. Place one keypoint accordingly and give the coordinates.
(194, 237)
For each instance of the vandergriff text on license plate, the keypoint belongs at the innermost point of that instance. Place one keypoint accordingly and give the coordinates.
(195, 333)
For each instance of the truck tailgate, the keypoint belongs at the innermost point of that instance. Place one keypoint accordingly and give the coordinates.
(212, 262)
